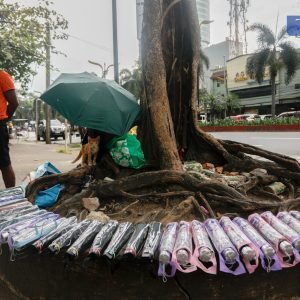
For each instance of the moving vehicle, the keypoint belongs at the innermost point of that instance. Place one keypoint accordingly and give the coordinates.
(57, 129)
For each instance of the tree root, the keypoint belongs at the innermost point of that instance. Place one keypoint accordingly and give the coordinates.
(124, 210)
(285, 161)
(74, 177)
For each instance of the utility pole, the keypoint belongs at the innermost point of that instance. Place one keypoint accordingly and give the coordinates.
(225, 83)
(48, 66)
(115, 40)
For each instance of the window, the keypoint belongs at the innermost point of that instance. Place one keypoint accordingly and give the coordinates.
(297, 86)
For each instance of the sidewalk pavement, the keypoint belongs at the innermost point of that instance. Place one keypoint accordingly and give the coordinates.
(26, 156)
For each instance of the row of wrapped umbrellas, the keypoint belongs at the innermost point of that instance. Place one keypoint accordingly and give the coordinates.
(234, 246)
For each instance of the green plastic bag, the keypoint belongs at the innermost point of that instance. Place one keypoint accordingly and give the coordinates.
(126, 151)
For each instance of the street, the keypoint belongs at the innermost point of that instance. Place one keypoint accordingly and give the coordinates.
(287, 143)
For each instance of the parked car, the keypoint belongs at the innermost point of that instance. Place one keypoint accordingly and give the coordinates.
(57, 129)
(263, 117)
(288, 114)
(245, 117)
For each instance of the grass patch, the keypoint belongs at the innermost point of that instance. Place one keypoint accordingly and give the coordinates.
(76, 145)
(64, 151)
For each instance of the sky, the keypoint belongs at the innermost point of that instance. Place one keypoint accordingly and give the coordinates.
(90, 30)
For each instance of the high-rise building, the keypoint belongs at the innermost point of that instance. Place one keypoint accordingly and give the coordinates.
(204, 15)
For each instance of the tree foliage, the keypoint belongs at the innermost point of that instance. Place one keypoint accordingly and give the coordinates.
(273, 54)
(132, 80)
(23, 37)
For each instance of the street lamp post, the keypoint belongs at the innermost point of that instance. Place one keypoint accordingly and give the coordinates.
(204, 22)
(225, 83)
(115, 40)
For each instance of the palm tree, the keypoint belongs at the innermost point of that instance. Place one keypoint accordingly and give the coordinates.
(274, 53)
(132, 81)
(204, 62)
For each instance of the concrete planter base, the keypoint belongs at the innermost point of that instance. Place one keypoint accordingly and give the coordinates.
(48, 277)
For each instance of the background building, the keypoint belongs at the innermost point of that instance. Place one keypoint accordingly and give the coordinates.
(217, 54)
(204, 14)
(254, 97)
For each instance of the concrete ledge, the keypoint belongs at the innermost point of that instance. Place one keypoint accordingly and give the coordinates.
(241, 128)
(34, 276)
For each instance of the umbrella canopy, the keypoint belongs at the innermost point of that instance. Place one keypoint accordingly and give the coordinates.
(89, 101)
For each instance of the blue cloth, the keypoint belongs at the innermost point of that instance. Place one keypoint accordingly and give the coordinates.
(48, 197)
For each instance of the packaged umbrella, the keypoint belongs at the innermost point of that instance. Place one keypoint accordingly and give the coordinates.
(11, 191)
(103, 237)
(228, 255)
(246, 248)
(85, 239)
(295, 214)
(289, 220)
(281, 245)
(15, 220)
(11, 197)
(268, 256)
(21, 204)
(6, 215)
(166, 248)
(65, 225)
(15, 200)
(137, 239)
(33, 232)
(204, 255)
(152, 241)
(283, 228)
(8, 232)
(69, 237)
(20, 225)
(119, 239)
(183, 249)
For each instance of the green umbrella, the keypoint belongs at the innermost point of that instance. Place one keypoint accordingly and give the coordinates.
(89, 101)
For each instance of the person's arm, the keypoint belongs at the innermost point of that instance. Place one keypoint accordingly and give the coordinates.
(13, 103)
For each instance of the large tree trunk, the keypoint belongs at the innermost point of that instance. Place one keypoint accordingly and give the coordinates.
(170, 134)
(170, 60)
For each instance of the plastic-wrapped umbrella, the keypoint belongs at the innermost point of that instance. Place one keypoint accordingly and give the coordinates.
(89, 101)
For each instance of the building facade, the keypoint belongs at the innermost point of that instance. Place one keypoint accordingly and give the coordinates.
(254, 97)
(204, 14)
(217, 54)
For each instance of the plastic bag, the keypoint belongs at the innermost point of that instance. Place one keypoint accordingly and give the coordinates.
(46, 169)
(126, 151)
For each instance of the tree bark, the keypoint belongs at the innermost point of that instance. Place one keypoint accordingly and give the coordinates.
(157, 105)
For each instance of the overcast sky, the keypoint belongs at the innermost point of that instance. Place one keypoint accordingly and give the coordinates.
(90, 29)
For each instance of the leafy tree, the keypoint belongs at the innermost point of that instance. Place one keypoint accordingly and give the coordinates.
(232, 103)
(132, 80)
(23, 37)
(213, 103)
(204, 62)
(274, 53)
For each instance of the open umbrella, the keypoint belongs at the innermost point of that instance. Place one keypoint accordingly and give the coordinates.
(89, 101)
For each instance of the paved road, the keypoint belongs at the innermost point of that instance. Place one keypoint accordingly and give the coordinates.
(287, 143)
(26, 156)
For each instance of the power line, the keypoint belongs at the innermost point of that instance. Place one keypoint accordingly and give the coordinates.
(91, 43)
